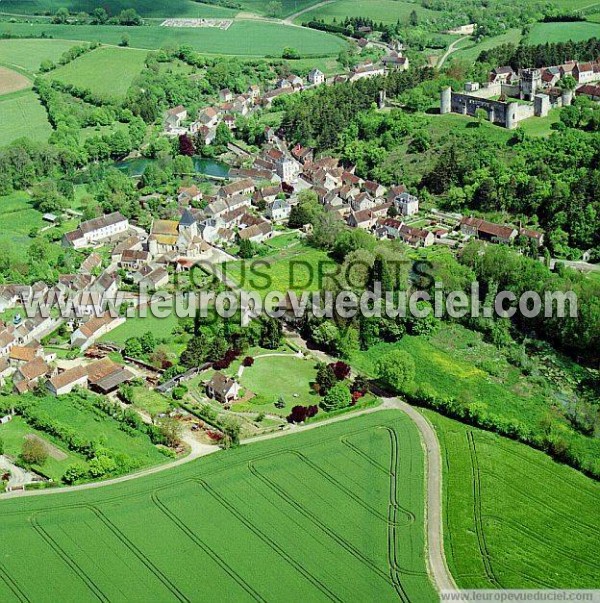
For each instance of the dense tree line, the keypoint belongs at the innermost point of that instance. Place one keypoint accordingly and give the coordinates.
(541, 55)
(316, 118)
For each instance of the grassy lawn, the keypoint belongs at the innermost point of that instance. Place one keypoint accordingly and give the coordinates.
(244, 38)
(541, 126)
(524, 521)
(108, 72)
(312, 507)
(28, 54)
(162, 328)
(548, 33)
(381, 11)
(13, 435)
(150, 400)
(22, 115)
(272, 377)
(146, 8)
(297, 267)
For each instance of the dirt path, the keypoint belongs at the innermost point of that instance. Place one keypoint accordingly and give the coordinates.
(290, 20)
(452, 48)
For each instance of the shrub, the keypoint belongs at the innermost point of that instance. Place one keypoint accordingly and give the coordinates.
(300, 414)
(248, 361)
(339, 396)
(340, 369)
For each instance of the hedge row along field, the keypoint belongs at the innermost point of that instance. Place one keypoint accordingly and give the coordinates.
(513, 517)
(28, 54)
(331, 514)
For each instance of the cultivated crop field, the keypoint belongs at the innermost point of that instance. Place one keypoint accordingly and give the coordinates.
(146, 8)
(22, 115)
(542, 33)
(334, 513)
(385, 11)
(11, 81)
(108, 72)
(513, 517)
(244, 37)
(27, 55)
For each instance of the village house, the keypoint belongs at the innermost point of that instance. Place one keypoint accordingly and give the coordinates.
(364, 219)
(223, 388)
(488, 231)
(28, 375)
(268, 194)
(532, 235)
(94, 328)
(417, 237)
(241, 187)
(130, 243)
(164, 235)
(65, 382)
(209, 117)
(105, 376)
(303, 154)
(316, 77)
(20, 355)
(407, 205)
(155, 280)
(257, 233)
(396, 62)
(365, 70)
(374, 188)
(133, 260)
(189, 194)
(388, 228)
(91, 263)
(225, 95)
(253, 92)
(278, 210)
(502, 75)
(361, 202)
(96, 230)
(175, 117)
(7, 341)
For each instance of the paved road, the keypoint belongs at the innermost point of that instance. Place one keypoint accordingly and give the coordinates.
(452, 48)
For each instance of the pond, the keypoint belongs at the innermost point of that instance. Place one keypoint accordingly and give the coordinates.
(204, 167)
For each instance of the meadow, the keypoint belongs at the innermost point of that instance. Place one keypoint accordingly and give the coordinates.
(246, 518)
(291, 266)
(381, 11)
(108, 72)
(542, 33)
(146, 8)
(12, 81)
(27, 54)
(22, 115)
(524, 521)
(243, 38)
(18, 218)
(457, 363)
(161, 328)
(469, 50)
(13, 435)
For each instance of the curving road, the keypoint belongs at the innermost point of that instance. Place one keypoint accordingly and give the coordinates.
(452, 48)
(290, 20)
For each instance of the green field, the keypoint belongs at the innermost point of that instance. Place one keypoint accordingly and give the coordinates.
(17, 217)
(513, 517)
(384, 11)
(108, 72)
(542, 33)
(161, 328)
(22, 115)
(146, 8)
(240, 525)
(470, 51)
(244, 38)
(28, 54)
(296, 267)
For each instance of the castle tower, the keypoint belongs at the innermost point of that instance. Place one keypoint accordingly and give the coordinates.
(446, 101)
(531, 82)
(567, 98)
(541, 105)
(512, 120)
